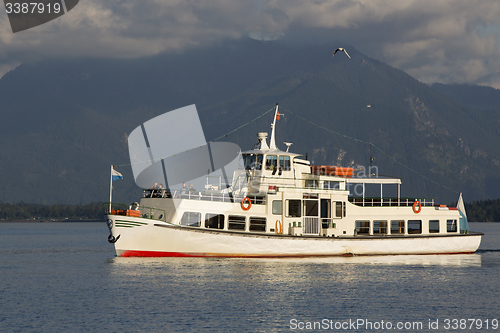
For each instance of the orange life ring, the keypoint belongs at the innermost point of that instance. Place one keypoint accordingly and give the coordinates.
(417, 207)
(242, 204)
(279, 227)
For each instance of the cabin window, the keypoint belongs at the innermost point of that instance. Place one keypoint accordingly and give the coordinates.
(380, 227)
(434, 226)
(331, 185)
(214, 221)
(397, 227)
(236, 222)
(310, 207)
(258, 224)
(285, 163)
(451, 225)
(338, 209)
(294, 208)
(414, 226)
(277, 207)
(362, 228)
(271, 162)
(311, 183)
(191, 219)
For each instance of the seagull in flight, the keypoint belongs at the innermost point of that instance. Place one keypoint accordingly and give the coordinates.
(341, 49)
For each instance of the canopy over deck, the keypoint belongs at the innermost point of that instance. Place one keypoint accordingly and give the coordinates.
(374, 180)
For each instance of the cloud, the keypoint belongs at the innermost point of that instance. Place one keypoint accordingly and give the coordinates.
(434, 41)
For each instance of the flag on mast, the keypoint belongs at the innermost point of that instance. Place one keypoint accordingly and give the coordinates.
(115, 175)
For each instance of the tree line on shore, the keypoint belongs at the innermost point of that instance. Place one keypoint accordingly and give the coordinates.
(30, 211)
(477, 211)
(483, 210)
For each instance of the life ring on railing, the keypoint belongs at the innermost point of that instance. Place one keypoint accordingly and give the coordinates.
(242, 204)
(417, 207)
(279, 227)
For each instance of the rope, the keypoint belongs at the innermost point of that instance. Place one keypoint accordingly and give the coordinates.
(248, 123)
(216, 139)
(318, 126)
(374, 146)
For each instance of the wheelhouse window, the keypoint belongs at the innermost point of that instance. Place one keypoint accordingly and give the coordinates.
(414, 226)
(285, 163)
(451, 225)
(236, 222)
(258, 224)
(294, 208)
(362, 227)
(434, 226)
(397, 227)
(271, 162)
(214, 221)
(191, 219)
(380, 227)
(253, 161)
(277, 207)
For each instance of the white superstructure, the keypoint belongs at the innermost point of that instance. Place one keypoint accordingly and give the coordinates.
(278, 205)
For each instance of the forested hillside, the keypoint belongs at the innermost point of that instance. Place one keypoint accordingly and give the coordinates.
(65, 122)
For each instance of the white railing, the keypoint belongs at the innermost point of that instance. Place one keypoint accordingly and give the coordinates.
(310, 226)
(379, 202)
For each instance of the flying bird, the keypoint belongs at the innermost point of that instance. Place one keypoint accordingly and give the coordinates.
(341, 49)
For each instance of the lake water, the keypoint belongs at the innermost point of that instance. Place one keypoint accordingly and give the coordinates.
(64, 277)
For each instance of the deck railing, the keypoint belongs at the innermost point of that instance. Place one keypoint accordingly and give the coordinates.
(310, 226)
(382, 202)
(135, 210)
(206, 196)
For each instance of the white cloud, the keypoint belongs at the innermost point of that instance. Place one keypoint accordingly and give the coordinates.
(435, 41)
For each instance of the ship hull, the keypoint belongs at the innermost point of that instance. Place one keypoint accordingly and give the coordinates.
(139, 237)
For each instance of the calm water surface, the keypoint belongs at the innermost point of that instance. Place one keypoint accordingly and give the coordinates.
(64, 277)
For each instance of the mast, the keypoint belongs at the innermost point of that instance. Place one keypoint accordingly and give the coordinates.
(272, 143)
(110, 187)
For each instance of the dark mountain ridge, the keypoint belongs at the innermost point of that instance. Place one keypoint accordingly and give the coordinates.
(66, 121)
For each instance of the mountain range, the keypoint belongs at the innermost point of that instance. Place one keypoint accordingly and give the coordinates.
(65, 121)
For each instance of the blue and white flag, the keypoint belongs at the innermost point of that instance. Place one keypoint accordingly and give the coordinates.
(115, 175)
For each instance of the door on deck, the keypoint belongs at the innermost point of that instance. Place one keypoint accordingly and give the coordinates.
(326, 214)
(311, 215)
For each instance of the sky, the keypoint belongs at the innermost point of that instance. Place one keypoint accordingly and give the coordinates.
(447, 41)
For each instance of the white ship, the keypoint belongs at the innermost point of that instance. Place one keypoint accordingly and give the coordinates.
(278, 205)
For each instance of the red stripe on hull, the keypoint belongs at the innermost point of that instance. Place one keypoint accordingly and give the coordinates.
(133, 253)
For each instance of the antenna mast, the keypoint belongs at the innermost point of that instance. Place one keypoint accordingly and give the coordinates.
(272, 143)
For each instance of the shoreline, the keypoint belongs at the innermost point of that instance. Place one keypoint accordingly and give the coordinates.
(50, 221)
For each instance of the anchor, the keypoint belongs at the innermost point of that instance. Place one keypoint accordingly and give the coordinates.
(112, 238)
